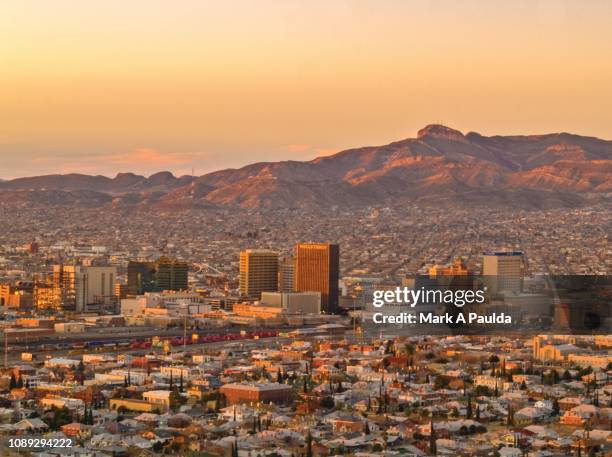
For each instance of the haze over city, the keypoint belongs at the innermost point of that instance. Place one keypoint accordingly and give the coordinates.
(142, 87)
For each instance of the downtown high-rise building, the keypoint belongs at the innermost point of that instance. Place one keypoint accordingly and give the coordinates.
(163, 274)
(317, 269)
(78, 288)
(258, 272)
(171, 274)
(503, 271)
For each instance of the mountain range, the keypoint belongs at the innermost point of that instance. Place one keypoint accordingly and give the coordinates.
(440, 166)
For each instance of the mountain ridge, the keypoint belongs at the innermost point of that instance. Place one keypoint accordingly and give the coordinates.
(439, 163)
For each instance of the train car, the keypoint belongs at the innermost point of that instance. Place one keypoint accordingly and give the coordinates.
(94, 344)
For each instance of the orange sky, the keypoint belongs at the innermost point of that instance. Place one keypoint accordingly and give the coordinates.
(113, 86)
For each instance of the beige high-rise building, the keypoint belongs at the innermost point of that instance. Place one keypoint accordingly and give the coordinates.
(100, 286)
(258, 272)
(503, 271)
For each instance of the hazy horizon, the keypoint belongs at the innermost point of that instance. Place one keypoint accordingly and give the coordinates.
(104, 88)
(195, 172)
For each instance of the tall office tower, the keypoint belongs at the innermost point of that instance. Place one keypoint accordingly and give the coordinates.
(171, 274)
(317, 269)
(258, 272)
(140, 277)
(75, 287)
(503, 271)
(68, 287)
(164, 274)
(286, 274)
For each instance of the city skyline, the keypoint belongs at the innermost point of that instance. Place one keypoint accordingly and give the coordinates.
(208, 86)
(306, 229)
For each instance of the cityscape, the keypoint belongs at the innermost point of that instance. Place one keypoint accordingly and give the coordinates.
(234, 333)
(306, 228)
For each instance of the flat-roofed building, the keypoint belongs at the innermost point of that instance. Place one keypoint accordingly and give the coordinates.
(160, 398)
(317, 269)
(257, 393)
(293, 302)
(258, 272)
(503, 271)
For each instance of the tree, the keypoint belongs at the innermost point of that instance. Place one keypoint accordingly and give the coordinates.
(327, 402)
(440, 383)
(59, 417)
(175, 399)
(409, 349)
(90, 418)
(389, 347)
(482, 391)
(469, 407)
(493, 360)
(309, 444)
(433, 450)
(81, 368)
(510, 417)
(554, 377)
(555, 407)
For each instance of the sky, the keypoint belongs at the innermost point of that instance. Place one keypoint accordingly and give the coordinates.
(103, 87)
